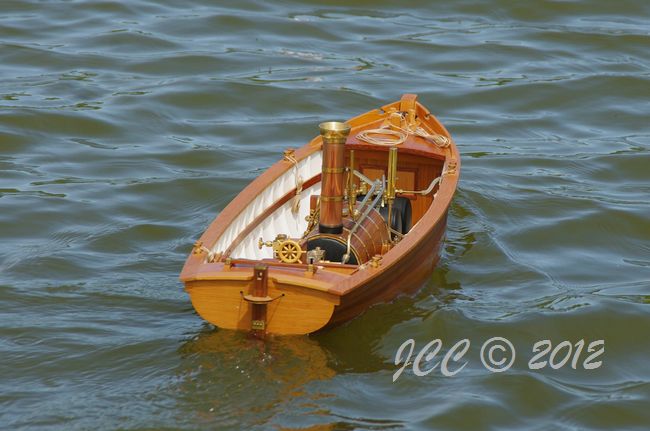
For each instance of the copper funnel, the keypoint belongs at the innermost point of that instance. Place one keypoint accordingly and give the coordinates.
(334, 135)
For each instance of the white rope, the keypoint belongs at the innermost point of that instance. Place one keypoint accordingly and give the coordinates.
(211, 255)
(295, 204)
(440, 140)
(425, 191)
(366, 136)
(400, 135)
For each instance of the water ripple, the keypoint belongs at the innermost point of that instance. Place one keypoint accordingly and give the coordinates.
(126, 127)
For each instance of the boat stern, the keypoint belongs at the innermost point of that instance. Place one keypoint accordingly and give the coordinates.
(254, 296)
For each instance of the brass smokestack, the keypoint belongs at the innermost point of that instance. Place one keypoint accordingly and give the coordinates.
(333, 180)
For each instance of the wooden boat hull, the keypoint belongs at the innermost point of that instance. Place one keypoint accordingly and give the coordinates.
(299, 311)
(220, 274)
(405, 278)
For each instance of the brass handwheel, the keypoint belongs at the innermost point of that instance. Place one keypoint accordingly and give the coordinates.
(289, 251)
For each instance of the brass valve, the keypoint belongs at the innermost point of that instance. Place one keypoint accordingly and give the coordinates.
(261, 243)
(290, 251)
(285, 249)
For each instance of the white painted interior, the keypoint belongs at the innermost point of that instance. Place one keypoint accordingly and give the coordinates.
(283, 220)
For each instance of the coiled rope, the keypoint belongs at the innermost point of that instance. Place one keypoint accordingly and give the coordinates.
(440, 140)
(380, 137)
(387, 137)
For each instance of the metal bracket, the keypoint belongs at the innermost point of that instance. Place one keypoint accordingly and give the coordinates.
(263, 300)
(258, 325)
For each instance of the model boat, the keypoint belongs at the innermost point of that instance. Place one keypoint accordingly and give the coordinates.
(351, 219)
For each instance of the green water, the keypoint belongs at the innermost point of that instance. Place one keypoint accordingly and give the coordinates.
(126, 127)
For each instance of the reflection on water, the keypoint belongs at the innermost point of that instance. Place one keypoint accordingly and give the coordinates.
(242, 379)
(236, 376)
(125, 127)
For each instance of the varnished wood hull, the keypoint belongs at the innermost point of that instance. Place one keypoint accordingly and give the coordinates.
(299, 300)
(408, 276)
(299, 311)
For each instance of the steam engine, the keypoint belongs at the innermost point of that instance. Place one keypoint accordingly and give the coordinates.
(352, 230)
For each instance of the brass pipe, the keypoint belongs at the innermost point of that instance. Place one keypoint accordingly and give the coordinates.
(352, 193)
(390, 187)
(334, 135)
(392, 173)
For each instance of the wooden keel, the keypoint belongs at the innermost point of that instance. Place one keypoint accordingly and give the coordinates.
(259, 300)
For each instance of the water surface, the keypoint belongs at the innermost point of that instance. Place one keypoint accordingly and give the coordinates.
(126, 128)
